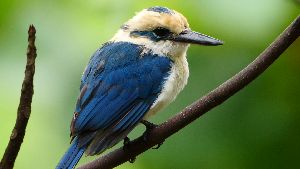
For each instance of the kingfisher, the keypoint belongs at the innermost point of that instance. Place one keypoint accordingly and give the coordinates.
(131, 77)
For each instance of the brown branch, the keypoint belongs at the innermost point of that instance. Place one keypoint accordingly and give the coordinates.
(24, 108)
(203, 105)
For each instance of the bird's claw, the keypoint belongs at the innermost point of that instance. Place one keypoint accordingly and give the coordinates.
(149, 127)
(132, 160)
(126, 143)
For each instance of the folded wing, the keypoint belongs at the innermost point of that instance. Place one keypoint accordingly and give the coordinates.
(118, 88)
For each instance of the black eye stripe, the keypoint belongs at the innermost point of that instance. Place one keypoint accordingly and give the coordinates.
(157, 34)
(161, 32)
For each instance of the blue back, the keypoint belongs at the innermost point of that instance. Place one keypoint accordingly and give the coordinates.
(118, 87)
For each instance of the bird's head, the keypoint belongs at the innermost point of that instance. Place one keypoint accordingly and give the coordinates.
(163, 31)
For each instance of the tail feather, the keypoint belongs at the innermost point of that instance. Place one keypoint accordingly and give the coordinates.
(72, 156)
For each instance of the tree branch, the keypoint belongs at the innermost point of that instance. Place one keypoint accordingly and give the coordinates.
(24, 108)
(203, 105)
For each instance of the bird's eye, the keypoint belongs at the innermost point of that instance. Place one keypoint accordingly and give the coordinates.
(161, 32)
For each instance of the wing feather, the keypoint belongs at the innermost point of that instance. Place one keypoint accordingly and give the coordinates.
(118, 88)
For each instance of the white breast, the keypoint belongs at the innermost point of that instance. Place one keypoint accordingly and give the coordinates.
(179, 72)
(174, 83)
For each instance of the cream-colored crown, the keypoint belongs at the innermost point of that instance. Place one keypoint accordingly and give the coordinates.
(148, 20)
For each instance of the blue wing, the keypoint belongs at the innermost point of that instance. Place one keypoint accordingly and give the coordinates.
(118, 88)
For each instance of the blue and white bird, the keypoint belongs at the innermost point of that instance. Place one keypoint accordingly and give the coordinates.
(131, 77)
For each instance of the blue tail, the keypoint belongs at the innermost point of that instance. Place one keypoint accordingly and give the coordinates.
(72, 156)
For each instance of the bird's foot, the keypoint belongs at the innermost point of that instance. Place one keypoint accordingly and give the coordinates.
(126, 144)
(132, 160)
(149, 126)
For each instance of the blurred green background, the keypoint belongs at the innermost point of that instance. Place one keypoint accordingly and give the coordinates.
(257, 128)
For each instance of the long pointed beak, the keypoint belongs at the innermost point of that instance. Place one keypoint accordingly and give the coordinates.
(189, 36)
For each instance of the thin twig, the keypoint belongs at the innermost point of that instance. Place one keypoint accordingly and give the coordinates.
(203, 105)
(24, 108)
